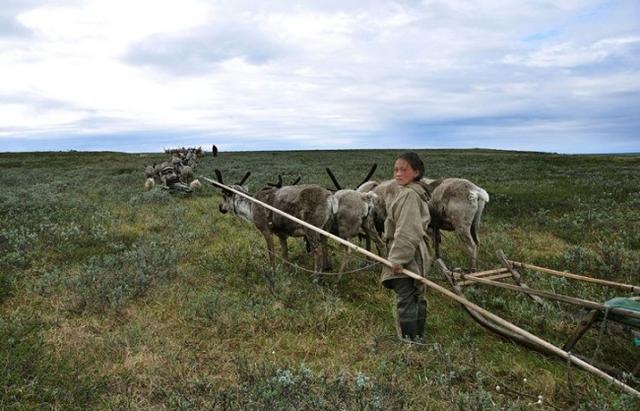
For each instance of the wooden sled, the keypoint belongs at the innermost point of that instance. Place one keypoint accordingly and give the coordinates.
(622, 313)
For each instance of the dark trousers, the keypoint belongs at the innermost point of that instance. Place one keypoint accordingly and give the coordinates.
(411, 306)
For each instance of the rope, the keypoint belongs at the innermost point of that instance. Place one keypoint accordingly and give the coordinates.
(341, 251)
(321, 273)
(395, 338)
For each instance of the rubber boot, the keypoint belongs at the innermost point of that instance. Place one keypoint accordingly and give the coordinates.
(408, 330)
(422, 319)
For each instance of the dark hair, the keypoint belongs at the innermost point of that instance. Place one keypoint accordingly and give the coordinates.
(414, 161)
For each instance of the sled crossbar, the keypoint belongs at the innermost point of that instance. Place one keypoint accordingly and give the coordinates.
(628, 287)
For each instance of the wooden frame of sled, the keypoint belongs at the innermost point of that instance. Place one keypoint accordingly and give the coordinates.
(627, 320)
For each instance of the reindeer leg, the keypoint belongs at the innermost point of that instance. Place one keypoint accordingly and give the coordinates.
(326, 257)
(436, 240)
(464, 234)
(367, 242)
(317, 250)
(284, 247)
(372, 233)
(272, 258)
(317, 260)
(344, 262)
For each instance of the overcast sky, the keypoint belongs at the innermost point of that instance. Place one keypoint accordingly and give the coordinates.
(143, 75)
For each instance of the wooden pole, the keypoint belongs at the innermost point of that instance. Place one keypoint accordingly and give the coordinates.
(516, 276)
(552, 296)
(500, 270)
(495, 274)
(490, 277)
(633, 288)
(552, 348)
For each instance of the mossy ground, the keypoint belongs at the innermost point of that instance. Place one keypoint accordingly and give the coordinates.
(115, 298)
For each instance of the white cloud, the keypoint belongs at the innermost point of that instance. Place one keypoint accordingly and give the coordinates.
(333, 72)
(572, 55)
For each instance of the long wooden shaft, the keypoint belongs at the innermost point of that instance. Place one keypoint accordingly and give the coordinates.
(490, 277)
(552, 348)
(633, 288)
(552, 296)
(489, 272)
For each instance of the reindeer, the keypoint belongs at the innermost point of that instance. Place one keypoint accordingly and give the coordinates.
(149, 183)
(150, 175)
(185, 172)
(170, 178)
(455, 204)
(353, 214)
(307, 202)
(150, 171)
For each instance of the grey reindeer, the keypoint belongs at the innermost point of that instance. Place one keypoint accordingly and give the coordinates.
(308, 202)
(353, 215)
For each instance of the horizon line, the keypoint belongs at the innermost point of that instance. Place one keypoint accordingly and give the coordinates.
(629, 153)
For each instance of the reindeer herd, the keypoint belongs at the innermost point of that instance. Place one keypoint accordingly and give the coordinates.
(455, 204)
(176, 173)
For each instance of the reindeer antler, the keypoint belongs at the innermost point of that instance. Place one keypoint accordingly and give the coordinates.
(373, 169)
(244, 178)
(278, 184)
(333, 178)
(218, 176)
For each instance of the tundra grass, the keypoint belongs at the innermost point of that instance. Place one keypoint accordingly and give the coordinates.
(116, 298)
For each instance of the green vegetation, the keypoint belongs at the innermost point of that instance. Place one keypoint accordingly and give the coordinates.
(118, 299)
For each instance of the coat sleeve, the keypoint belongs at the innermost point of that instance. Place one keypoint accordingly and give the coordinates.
(408, 230)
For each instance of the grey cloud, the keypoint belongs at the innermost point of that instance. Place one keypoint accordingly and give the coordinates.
(37, 102)
(9, 25)
(198, 50)
(571, 55)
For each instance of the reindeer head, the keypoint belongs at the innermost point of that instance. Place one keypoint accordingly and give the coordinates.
(228, 196)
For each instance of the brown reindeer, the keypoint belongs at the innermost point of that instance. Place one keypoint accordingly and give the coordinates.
(307, 202)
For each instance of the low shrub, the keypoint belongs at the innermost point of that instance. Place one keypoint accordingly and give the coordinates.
(15, 245)
(617, 260)
(155, 196)
(265, 387)
(112, 280)
(32, 378)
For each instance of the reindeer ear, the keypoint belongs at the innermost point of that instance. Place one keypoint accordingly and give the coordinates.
(334, 204)
(369, 202)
